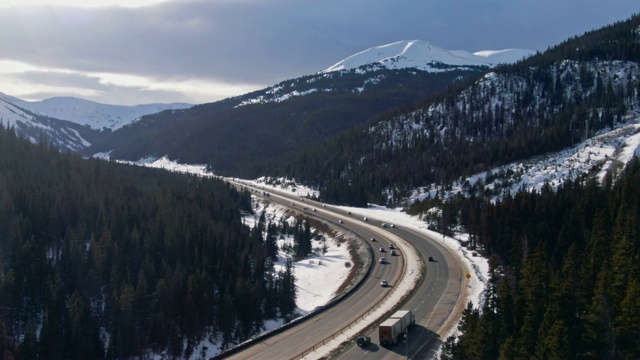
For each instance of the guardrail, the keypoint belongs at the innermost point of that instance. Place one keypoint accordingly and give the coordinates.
(244, 345)
(236, 349)
(362, 317)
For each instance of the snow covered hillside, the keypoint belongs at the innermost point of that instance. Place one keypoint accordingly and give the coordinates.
(422, 55)
(87, 113)
(402, 55)
(604, 154)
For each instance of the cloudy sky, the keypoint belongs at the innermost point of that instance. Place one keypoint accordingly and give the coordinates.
(144, 51)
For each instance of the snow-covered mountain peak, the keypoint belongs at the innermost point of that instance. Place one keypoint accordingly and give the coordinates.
(88, 113)
(424, 56)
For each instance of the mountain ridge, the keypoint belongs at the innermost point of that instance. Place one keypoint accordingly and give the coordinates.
(95, 115)
(425, 56)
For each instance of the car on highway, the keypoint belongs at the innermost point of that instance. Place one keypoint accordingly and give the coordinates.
(383, 260)
(373, 239)
(393, 253)
(341, 222)
(365, 219)
(391, 246)
(363, 341)
(381, 249)
(384, 225)
(384, 283)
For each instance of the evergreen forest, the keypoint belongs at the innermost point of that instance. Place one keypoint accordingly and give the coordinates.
(565, 268)
(100, 259)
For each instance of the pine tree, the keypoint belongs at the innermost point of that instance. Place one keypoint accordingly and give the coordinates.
(628, 323)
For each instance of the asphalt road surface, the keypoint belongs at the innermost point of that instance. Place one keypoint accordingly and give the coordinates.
(437, 300)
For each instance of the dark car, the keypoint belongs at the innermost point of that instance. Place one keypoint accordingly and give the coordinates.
(363, 341)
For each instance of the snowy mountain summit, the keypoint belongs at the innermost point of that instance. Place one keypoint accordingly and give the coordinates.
(94, 115)
(422, 55)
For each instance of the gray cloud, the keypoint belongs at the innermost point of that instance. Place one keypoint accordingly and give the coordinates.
(265, 41)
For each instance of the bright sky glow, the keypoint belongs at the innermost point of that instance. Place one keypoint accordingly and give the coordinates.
(196, 90)
(81, 3)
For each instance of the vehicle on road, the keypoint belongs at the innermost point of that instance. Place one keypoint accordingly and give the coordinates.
(391, 329)
(373, 239)
(383, 260)
(384, 225)
(381, 249)
(365, 219)
(391, 246)
(341, 222)
(384, 283)
(363, 340)
(431, 258)
(393, 253)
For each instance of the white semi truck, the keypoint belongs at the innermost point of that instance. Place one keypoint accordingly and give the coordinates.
(391, 329)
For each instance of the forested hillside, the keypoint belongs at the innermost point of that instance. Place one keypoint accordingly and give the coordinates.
(103, 259)
(246, 135)
(565, 274)
(543, 104)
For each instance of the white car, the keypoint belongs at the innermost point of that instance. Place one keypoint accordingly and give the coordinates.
(384, 283)
(365, 219)
(383, 260)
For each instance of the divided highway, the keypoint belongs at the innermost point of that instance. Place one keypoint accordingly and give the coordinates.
(437, 300)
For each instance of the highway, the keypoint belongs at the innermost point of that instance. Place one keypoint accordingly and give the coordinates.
(437, 300)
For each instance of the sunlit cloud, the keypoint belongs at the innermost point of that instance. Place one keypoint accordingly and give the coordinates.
(35, 83)
(81, 3)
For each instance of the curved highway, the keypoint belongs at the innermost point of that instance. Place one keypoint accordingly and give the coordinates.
(437, 301)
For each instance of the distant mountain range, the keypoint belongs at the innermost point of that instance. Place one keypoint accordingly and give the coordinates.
(94, 115)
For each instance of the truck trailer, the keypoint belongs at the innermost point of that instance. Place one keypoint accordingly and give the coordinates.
(391, 329)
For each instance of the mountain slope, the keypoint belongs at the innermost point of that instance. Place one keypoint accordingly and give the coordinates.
(88, 113)
(63, 134)
(545, 103)
(70, 123)
(242, 136)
